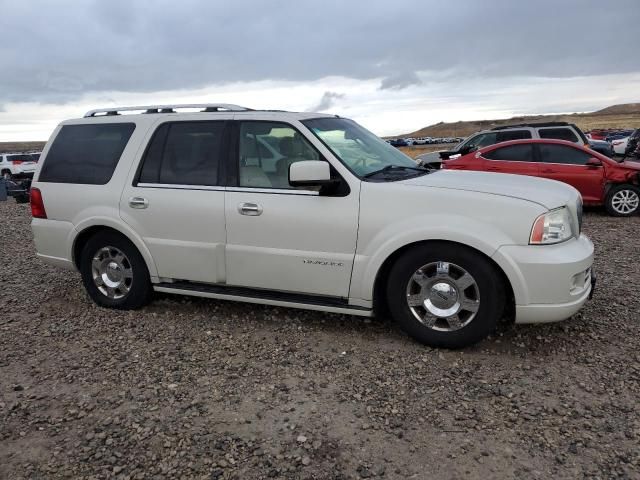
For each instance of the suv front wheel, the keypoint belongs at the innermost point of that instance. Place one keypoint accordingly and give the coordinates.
(445, 295)
(114, 273)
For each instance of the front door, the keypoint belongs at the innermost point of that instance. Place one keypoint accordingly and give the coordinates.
(569, 164)
(176, 201)
(278, 237)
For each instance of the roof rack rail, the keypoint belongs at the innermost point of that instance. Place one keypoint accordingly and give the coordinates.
(206, 108)
(533, 124)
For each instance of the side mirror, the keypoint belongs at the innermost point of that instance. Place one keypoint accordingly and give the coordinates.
(593, 162)
(310, 173)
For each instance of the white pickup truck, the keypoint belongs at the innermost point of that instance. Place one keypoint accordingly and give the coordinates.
(302, 210)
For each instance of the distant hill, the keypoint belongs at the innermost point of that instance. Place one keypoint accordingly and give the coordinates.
(616, 116)
(21, 146)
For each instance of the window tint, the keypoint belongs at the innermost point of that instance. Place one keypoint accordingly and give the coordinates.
(267, 149)
(563, 154)
(184, 153)
(507, 135)
(516, 153)
(558, 134)
(19, 158)
(86, 154)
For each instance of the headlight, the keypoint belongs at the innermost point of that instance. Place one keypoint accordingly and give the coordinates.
(551, 227)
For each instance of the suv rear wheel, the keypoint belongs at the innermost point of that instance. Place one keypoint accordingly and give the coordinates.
(114, 273)
(445, 295)
(623, 200)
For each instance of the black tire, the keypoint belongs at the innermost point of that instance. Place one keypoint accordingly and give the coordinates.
(6, 174)
(140, 290)
(488, 288)
(612, 201)
(22, 198)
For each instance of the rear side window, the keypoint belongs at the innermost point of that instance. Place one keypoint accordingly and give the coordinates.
(19, 158)
(86, 154)
(563, 154)
(184, 153)
(512, 135)
(558, 134)
(514, 153)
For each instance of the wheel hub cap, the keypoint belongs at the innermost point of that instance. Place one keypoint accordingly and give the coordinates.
(112, 272)
(443, 296)
(625, 201)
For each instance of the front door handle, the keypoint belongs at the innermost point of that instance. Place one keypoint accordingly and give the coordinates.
(138, 202)
(251, 209)
(493, 169)
(548, 170)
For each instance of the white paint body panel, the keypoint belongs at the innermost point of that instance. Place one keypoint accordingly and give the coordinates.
(305, 243)
(300, 243)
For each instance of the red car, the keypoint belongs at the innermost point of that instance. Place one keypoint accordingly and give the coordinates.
(600, 180)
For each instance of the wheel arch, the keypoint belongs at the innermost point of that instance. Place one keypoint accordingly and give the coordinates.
(379, 297)
(85, 233)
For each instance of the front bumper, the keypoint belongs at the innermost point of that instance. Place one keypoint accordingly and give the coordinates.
(549, 282)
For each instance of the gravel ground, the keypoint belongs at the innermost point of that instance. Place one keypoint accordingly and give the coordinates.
(195, 388)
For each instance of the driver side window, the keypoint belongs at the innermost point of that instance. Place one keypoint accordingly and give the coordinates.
(267, 149)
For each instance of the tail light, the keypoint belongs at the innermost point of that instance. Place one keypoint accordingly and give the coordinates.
(37, 204)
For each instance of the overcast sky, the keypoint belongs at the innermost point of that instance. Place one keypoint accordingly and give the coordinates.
(394, 66)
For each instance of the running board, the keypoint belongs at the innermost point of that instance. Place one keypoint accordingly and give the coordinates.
(264, 297)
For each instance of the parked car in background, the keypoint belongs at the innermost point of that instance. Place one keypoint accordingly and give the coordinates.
(633, 143)
(600, 146)
(599, 179)
(555, 130)
(17, 165)
(338, 225)
(620, 146)
(398, 142)
(552, 130)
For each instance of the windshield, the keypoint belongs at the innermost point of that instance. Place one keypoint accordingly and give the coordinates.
(359, 149)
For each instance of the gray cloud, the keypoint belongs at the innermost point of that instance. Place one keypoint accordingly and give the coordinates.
(57, 51)
(400, 80)
(326, 102)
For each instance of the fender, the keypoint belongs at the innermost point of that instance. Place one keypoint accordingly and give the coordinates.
(111, 222)
(464, 230)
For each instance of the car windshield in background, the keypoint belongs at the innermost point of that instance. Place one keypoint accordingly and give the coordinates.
(360, 150)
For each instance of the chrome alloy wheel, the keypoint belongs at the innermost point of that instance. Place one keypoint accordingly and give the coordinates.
(111, 272)
(625, 201)
(443, 296)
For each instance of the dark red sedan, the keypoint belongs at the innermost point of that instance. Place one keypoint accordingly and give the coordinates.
(600, 180)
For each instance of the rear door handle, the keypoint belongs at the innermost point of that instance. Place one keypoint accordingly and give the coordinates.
(138, 202)
(251, 209)
(548, 170)
(493, 169)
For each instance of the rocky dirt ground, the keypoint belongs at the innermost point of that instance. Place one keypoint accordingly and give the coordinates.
(194, 388)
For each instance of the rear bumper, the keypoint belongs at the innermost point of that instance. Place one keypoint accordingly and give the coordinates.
(52, 239)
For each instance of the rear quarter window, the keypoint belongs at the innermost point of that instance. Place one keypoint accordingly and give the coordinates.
(86, 154)
(561, 133)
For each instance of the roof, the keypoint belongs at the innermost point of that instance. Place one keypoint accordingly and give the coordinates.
(534, 125)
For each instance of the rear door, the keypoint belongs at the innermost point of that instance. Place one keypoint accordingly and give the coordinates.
(567, 164)
(175, 200)
(518, 159)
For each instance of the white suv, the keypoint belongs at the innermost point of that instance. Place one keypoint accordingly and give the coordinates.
(303, 210)
(17, 165)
